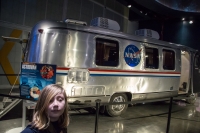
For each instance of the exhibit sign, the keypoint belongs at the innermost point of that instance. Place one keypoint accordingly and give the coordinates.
(34, 77)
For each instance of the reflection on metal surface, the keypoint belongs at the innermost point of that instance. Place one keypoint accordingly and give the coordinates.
(14, 130)
(87, 90)
(191, 113)
(181, 103)
(78, 75)
(149, 129)
(197, 104)
(118, 127)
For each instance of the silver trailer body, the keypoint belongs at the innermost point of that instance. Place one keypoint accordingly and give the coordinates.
(75, 49)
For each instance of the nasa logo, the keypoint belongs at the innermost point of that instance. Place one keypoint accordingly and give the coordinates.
(132, 55)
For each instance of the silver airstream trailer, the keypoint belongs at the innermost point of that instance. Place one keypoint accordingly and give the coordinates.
(99, 62)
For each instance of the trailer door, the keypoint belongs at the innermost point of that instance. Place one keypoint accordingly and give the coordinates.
(196, 73)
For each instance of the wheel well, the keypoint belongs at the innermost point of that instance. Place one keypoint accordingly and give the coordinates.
(128, 94)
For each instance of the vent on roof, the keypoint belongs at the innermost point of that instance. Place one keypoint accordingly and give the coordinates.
(105, 23)
(147, 33)
(72, 21)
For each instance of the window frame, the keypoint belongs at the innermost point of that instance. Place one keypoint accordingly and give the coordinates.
(108, 40)
(145, 66)
(168, 49)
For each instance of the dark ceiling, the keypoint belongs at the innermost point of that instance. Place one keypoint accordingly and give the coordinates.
(163, 9)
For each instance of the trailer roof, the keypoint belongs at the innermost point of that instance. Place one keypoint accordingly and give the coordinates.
(96, 30)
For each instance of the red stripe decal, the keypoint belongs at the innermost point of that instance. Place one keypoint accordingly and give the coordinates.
(121, 71)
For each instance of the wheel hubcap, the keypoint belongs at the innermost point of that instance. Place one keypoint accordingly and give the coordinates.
(118, 107)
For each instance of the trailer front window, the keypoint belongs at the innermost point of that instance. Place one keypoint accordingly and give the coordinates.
(168, 59)
(107, 52)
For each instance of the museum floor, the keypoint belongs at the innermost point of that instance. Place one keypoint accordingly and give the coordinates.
(139, 118)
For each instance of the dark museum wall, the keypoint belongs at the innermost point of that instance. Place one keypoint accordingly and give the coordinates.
(165, 17)
(180, 32)
(183, 33)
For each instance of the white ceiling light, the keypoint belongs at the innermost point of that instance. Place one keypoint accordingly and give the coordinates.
(191, 22)
(183, 18)
(129, 6)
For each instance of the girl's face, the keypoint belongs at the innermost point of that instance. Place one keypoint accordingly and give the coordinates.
(56, 107)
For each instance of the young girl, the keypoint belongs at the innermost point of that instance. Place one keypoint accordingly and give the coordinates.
(51, 112)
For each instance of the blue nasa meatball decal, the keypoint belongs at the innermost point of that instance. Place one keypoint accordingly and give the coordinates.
(132, 55)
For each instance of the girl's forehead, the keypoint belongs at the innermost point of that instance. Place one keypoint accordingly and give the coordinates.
(60, 94)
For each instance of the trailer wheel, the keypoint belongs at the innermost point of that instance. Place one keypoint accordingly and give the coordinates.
(118, 109)
(192, 99)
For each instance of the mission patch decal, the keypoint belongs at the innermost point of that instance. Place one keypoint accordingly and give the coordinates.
(132, 55)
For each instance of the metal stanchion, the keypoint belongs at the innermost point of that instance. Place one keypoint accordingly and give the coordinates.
(169, 114)
(97, 114)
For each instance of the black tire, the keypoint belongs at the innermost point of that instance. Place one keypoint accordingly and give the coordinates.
(102, 109)
(118, 109)
(192, 99)
(90, 110)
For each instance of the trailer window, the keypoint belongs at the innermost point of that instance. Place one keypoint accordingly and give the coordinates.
(107, 52)
(168, 59)
(151, 55)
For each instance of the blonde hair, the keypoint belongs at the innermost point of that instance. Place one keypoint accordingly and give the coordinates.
(40, 117)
